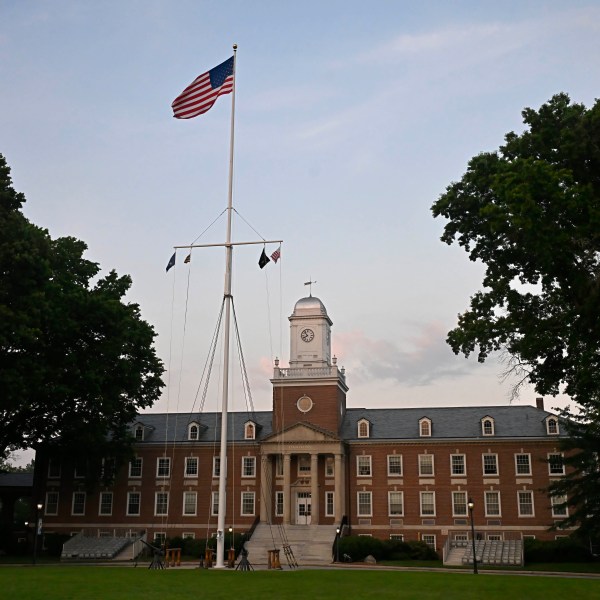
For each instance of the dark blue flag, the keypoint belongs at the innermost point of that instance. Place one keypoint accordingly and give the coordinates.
(171, 262)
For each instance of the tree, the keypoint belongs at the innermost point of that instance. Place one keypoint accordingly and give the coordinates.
(78, 361)
(530, 212)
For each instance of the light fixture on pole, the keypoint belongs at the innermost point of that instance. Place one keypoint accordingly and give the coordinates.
(471, 505)
(37, 530)
(337, 545)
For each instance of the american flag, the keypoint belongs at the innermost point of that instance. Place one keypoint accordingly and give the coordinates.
(275, 256)
(202, 93)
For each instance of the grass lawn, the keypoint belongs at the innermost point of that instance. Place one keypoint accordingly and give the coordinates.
(128, 583)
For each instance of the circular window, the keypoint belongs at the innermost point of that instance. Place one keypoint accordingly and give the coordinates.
(304, 404)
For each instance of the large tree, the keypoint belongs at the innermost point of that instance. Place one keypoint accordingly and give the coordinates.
(530, 212)
(77, 360)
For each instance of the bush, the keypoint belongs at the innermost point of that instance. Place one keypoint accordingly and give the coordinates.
(561, 550)
(359, 547)
(53, 543)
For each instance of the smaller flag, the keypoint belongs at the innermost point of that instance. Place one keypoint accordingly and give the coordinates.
(171, 262)
(276, 255)
(188, 258)
(264, 259)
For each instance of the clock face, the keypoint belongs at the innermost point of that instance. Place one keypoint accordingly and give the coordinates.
(307, 335)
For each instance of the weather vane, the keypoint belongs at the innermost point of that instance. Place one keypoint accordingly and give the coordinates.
(309, 283)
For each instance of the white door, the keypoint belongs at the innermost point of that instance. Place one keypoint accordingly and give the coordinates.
(303, 508)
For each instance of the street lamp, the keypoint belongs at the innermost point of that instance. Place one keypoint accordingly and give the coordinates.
(471, 505)
(337, 545)
(37, 530)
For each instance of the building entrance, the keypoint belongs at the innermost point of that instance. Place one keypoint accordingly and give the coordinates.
(303, 508)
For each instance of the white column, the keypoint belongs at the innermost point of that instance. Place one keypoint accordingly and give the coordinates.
(287, 492)
(265, 487)
(338, 495)
(314, 488)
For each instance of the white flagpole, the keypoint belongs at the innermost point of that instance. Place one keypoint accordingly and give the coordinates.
(227, 299)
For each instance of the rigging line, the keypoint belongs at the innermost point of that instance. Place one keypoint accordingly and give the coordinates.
(245, 381)
(242, 218)
(269, 314)
(218, 217)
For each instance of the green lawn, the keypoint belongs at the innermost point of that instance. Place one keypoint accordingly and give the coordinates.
(128, 583)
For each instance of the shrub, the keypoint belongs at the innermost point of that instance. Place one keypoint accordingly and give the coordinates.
(561, 550)
(359, 547)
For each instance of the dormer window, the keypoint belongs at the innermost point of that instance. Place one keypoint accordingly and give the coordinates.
(193, 431)
(249, 431)
(552, 426)
(364, 428)
(425, 427)
(487, 426)
(139, 433)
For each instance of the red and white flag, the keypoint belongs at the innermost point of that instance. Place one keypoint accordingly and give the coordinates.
(202, 93)
(276, 255)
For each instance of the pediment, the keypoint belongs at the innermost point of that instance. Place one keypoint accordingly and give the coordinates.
(301, 432)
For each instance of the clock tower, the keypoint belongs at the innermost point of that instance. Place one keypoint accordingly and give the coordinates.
(310, 334)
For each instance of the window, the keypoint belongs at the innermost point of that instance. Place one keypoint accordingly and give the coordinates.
(188, 535)
(303, 464)
(161, 503)
(108, 468)
(78, 507)
(556, 464)
(394, 463)
(133, 504)
(191, 466)
(248, 466)
(329, 509)
(278, 504)
(363, 465)
(135, 467)
(457, 465)
(427, 504)
(329, 466)
(249, 431)
(559, 506)
(163, 467)
(214, 505)
(459, 504)
(487, 426)
(216, 466)
(247, 504)
(552, 426)
(80, 469)
(426, 464)
(53, 468)
(189, 503)
(399, 537)
(523, 464)
(159, 538)
(363, 428)
(395, 503)
(364, 504)
(425, 427)
(51, 503)
(139, 433)
(525, 503)
(494, 537)
(492, 504)
(490, 464)
(429, 539)
(279, 465)
(106, 503)
(193, 431)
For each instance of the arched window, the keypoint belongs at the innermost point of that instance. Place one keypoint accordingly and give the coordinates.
(363, 428)
(249, 431)
(552, 426)
(425, 427)
(139, 433)
(487, 426)
(193, 431)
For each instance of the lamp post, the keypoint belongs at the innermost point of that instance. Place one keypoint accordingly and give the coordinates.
(337, 545)
(37, 530)
(471, 505)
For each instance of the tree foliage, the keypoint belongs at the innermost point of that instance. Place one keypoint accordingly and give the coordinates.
(78, 361)
(530, 212)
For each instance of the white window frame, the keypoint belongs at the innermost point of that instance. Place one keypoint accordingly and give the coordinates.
(425, 427)
(554, 501)
(399, 537)
(139, 433)
(193, 431)
(432, 543)
(156, 506)
(216, 466)
(390, 503)
(80, 494)
(303, 465)
(464, 465)
(279, 499)
(247, 496)
(48, 504)
(100, 497)
(366, 433)
(160, 463)
(159, 538)
(214, 504)
(361, 506)
(189, 460)
(130, 474)
(390, 459)
(329, 504)
(562, 464)
(528, 455)
(329, 466)
(453, 496)
(366, 467)
(556, 427)
(492, 426)
(249, 466)
(497, 472)
(486, 504)
(139, 504)
(249, 431)
(421, 505)
(193, 495)
(531, 495)
(422, 464)
(188, 535)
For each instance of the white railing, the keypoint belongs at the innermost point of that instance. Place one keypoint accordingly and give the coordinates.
(308, 372)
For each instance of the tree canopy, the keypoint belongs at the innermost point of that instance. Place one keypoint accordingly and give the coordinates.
(530, 212)
(78, 361)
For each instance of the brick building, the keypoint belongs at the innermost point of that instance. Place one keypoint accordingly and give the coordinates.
(405, 473)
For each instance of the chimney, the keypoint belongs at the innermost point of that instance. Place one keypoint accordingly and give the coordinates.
(539, 402)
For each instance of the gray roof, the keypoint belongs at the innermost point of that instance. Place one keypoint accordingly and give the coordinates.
(16, 479)
(449, 423)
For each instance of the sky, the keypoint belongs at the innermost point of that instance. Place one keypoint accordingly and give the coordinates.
(351, 119)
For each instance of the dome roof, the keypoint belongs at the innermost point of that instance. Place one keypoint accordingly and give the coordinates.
(310, 305)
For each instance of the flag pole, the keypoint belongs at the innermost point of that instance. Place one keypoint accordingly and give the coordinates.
(220, 563)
